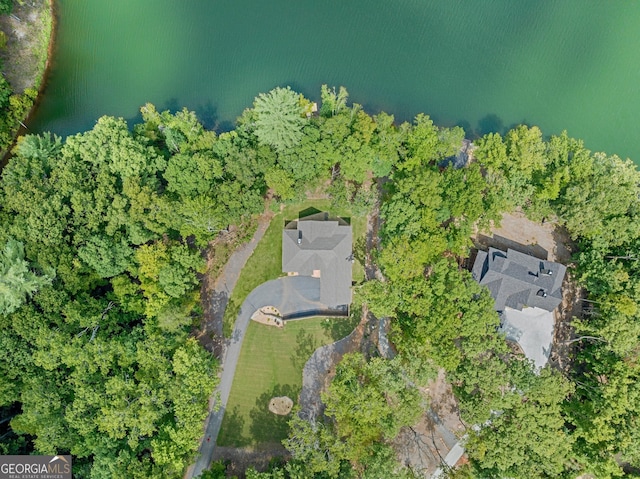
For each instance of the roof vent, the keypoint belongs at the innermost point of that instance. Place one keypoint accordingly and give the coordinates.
(542, 293)
(299, 236)
(548, 272)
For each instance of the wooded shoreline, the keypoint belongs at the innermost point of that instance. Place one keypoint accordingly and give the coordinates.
(37, 78)
(46, 71)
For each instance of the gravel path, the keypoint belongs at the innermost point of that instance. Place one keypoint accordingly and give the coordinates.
(222, 290)
(315, 373)
(289, 295)
(384, 347)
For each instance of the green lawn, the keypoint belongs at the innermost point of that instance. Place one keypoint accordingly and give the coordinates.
(266, 261)
(271, 365)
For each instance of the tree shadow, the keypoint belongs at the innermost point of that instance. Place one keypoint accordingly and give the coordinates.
(306, 345)
(502, 243)
(360, 249)
(300, 88)
(131, 121)
(314, 214)
(233, 429)
(267, 427)
(491, 123)
(308, 214)
(218, 303)
(208, 115)
(172, 105)
(338, 328)
(311, 211)
(466, 126)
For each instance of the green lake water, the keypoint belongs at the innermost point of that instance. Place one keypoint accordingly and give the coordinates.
(482, 64)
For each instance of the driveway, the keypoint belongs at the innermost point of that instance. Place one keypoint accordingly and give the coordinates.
(290, 294)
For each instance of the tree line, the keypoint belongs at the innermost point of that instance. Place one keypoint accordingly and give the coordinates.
(102, 238)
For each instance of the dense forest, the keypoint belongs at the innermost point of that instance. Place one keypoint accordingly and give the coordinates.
(102, 242)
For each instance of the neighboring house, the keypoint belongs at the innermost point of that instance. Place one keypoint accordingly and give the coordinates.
(526, 291)
(321, 247)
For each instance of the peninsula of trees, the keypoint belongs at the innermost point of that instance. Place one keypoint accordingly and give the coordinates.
(102, 238)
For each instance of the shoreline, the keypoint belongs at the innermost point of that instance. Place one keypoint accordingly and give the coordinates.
(40, 84)
(47, 66)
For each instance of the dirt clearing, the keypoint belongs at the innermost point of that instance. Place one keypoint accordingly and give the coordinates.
(424, 446)
(547, 240)
(28, 29)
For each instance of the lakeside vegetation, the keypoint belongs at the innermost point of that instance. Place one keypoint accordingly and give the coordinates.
(102, 237)
(25, 33)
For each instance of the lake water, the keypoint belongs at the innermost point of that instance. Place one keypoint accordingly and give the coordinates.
(486, 65)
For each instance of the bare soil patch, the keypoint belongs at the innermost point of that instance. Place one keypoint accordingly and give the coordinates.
(444, 404)
(372, 241)
(213, 295)
(543, 240)
(28, 30)
(563, 349)
(424, 446)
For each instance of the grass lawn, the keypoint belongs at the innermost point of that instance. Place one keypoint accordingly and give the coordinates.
(266, 261)
(271, 365)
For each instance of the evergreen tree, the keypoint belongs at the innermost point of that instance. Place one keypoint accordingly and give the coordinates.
(279, 118)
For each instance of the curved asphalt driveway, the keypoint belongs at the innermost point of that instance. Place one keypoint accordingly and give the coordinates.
(290, 294)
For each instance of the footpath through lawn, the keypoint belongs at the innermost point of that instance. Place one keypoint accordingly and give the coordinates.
(271, 365)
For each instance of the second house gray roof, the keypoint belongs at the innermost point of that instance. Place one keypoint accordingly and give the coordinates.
(309, 245)
(518, 280)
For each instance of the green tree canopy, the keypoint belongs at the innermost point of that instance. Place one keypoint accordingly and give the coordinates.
(6, 6)
(17, 280)
(525, 437)
(279, 118)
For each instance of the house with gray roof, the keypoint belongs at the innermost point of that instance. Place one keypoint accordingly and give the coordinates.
(526, 291)
(321, 247)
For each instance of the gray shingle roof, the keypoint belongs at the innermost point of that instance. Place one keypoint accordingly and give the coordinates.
(309, 245)
(518, 280)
